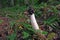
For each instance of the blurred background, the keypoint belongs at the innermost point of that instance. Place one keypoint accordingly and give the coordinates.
(15, 25)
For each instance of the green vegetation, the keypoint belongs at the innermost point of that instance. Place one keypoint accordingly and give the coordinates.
(46, 12)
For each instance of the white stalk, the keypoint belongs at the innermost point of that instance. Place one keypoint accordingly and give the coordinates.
(34, 22)
(35, 25)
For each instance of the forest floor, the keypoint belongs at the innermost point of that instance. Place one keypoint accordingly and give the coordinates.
(14, 25)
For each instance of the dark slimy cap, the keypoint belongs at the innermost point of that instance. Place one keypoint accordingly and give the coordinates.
(30, 10)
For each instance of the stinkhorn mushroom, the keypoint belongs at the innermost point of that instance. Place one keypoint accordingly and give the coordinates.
(34, 23)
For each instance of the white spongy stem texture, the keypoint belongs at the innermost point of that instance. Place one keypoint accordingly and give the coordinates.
(34, 22)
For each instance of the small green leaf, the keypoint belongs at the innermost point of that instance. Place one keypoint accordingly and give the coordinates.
(12, 36)
(44, 32)
(12, 23)
(25, 34)
(1, 21)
